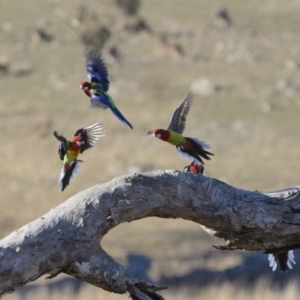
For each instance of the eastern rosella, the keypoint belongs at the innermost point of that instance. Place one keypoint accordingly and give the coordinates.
(283, 259)
(98, 87)
(68, 151)
(194, 167)
(190, 148)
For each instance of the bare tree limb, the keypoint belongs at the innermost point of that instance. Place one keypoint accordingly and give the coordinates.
(66, 239)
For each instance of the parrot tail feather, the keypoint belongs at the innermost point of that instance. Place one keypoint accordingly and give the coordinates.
(69, 170)
(120, 117)
(199, 147)
(196, 152)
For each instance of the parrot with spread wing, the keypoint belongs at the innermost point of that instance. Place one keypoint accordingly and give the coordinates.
(68, 151)
(194, 167)
(190, 148)
(98, 86)
(284, 259)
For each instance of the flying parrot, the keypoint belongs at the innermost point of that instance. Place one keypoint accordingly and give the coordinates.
(194, 167)
(68, 151)
(98, 86)
(190, 148)
(284, 259)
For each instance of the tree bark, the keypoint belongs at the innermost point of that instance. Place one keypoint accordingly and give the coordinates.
(66, 239)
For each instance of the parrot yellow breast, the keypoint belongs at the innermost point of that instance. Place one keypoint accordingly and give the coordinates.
(176, 138)
(71, 155)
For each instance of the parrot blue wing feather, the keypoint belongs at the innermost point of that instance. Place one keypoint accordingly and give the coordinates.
(100, 101)
(79, 132)
(96, 68)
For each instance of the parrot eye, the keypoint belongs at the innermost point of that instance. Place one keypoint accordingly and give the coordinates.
(158, 135)
(78, 143)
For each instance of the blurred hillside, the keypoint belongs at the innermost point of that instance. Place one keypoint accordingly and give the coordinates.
(241, 60)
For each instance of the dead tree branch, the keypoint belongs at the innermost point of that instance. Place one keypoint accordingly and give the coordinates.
(66, 239)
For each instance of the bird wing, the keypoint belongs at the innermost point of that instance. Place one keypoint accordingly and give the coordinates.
(97, 102)
(179, 116)
(90, 135)
(62, 147)
(61, 138)
(96, 68)
(99, 98)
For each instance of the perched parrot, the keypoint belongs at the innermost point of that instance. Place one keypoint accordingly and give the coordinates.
(284, 259)
(190, 148)
(194, 167)
(68, 151)
(98, 87)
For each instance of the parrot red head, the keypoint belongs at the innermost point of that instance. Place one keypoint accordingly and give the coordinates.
(86, 87)
(78, 140)
(194, 167)
(160, 133)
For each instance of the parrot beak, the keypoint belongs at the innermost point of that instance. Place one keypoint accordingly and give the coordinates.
(151, 133)
(157, 135)
(84, 87)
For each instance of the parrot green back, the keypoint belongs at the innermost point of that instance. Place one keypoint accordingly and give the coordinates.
(97, 89)
(176, 138)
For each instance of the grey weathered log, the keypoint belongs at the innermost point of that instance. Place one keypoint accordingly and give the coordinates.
(67, 238)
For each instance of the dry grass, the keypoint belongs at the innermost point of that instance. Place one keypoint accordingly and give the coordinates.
(229, 292)
(252, 123)
(222, 292)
